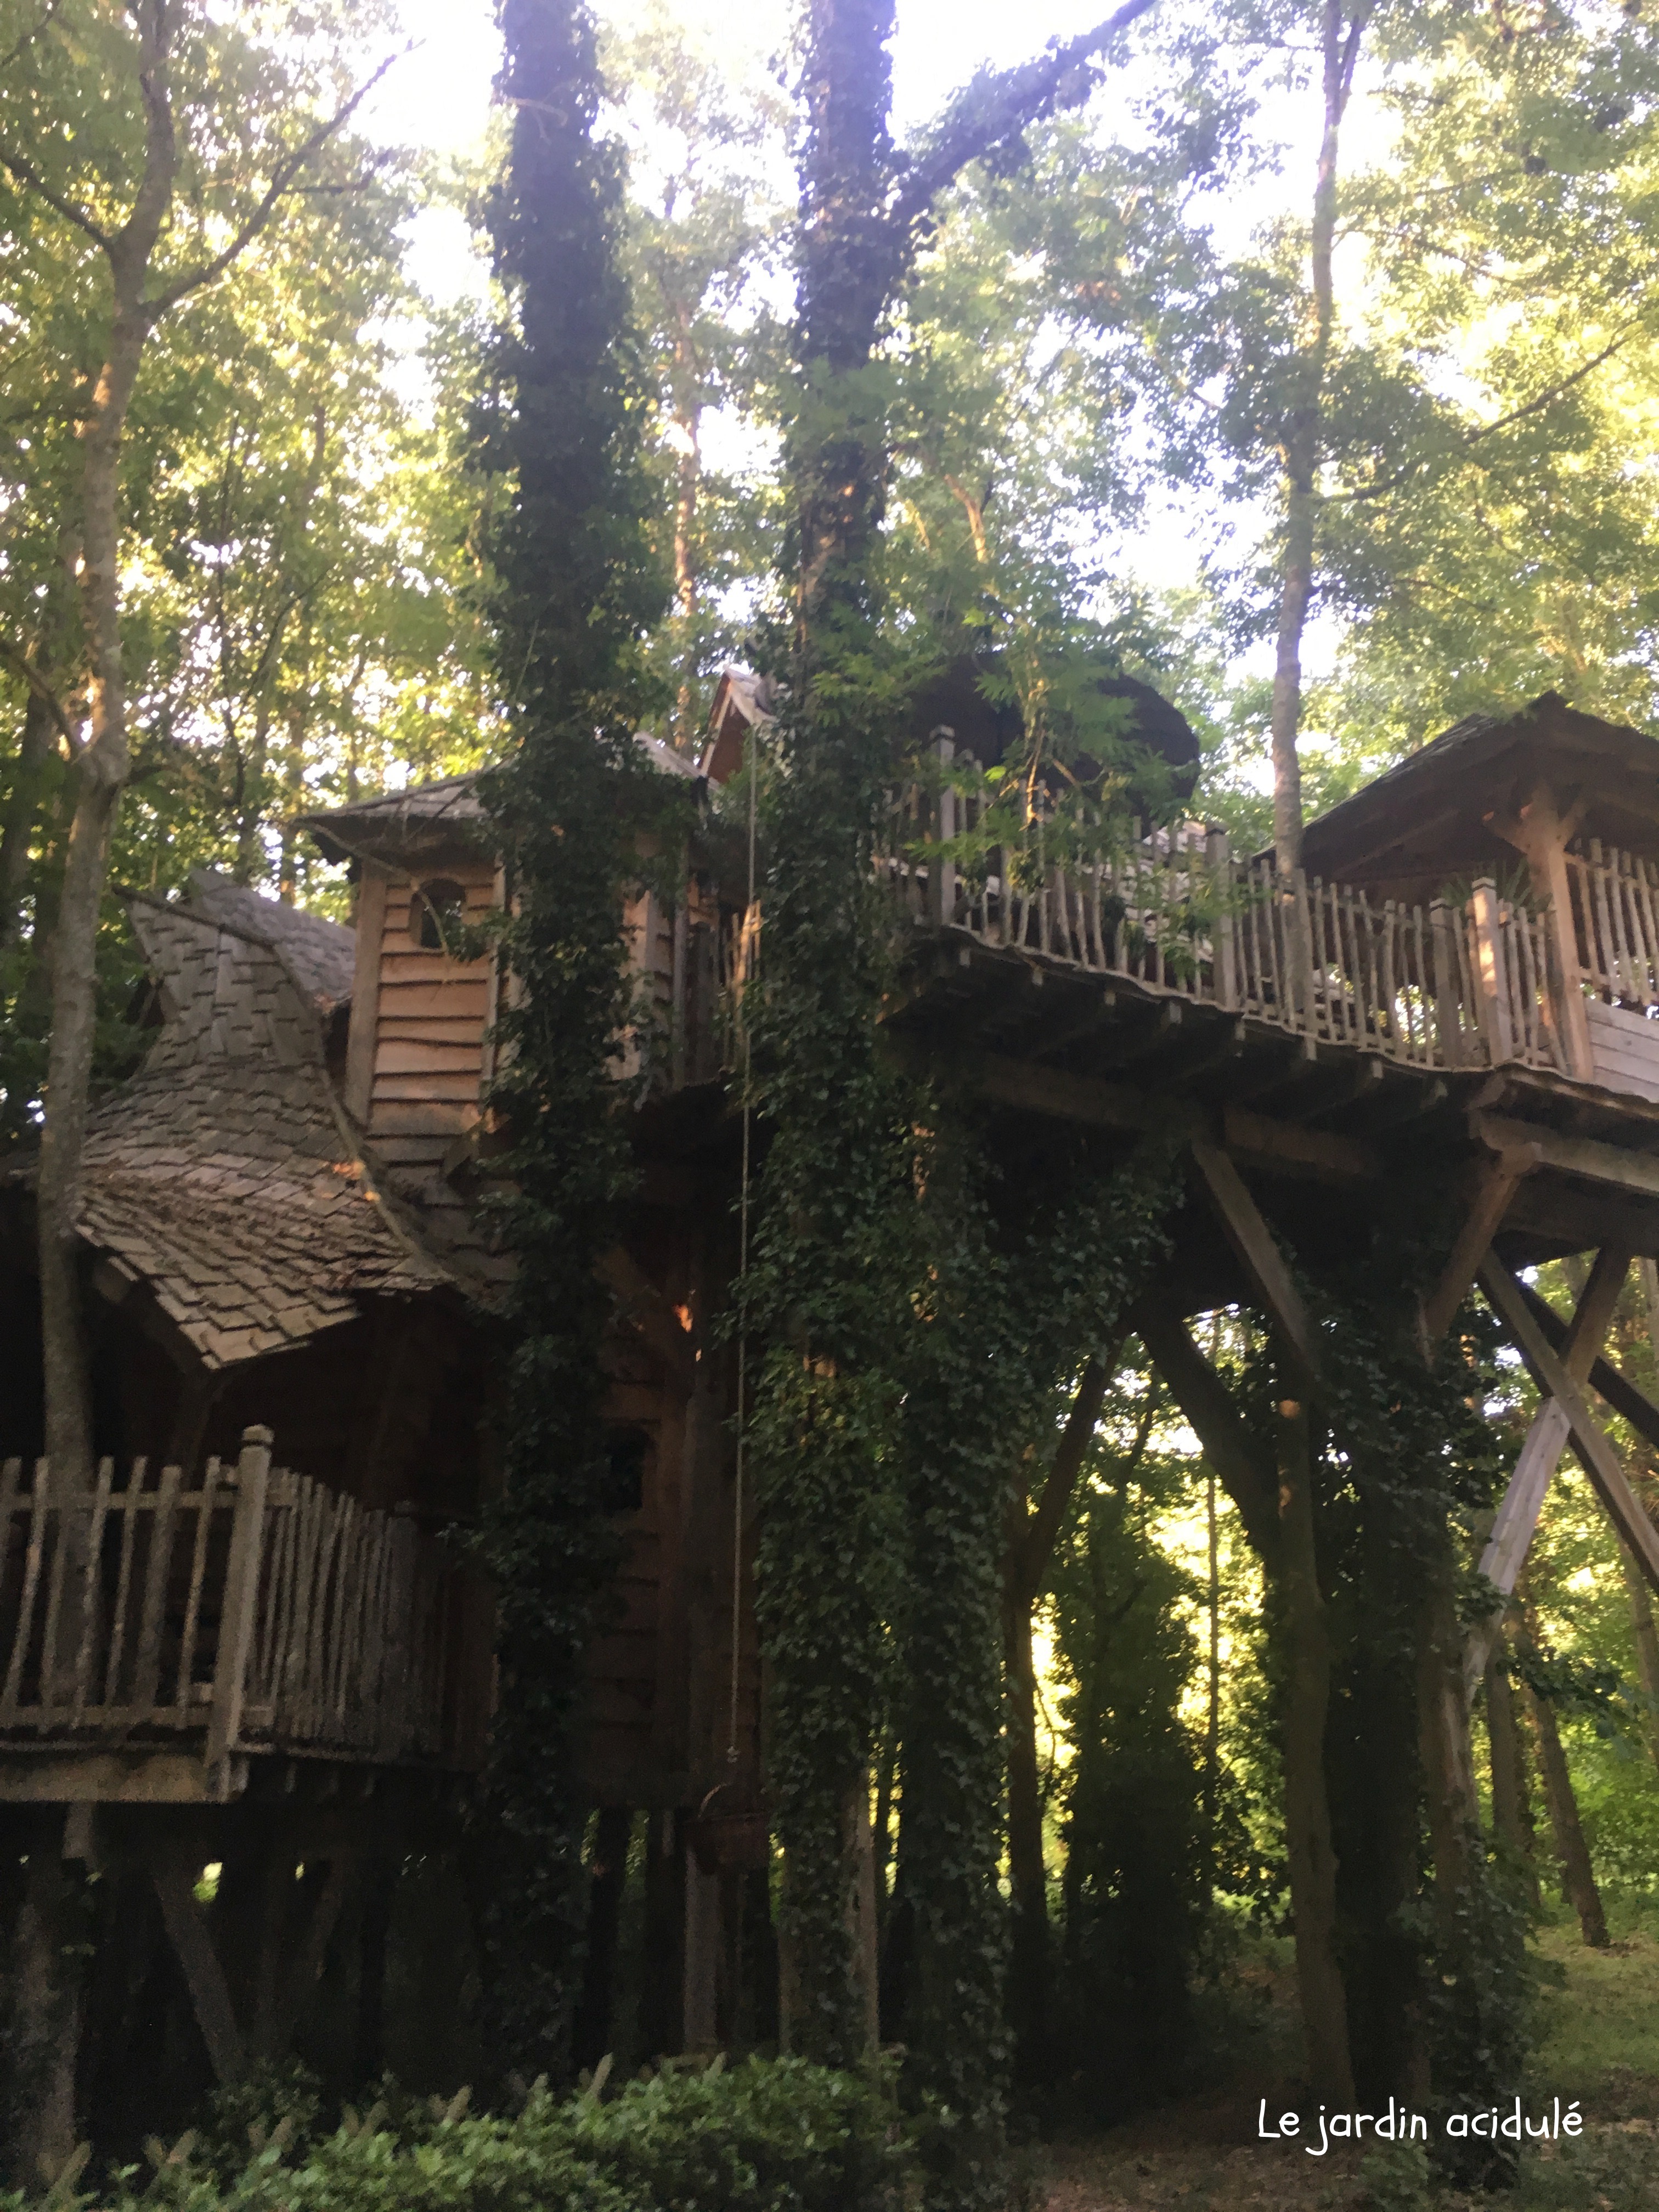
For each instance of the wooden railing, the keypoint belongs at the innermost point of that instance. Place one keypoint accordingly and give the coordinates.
(263, 1612)
(1441, 986)
(1615, 903)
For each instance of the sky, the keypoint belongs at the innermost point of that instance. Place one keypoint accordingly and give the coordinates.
(438, 97)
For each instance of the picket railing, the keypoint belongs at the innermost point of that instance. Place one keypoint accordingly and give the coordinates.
(1442, 986)
(262, 1611)
(1615, 903)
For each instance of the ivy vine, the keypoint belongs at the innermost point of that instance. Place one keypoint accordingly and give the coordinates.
(577, 589)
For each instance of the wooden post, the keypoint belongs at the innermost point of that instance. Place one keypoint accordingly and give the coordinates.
(941, 874)
(210, 1994)
(1542, 832)
(43, 2023)
(237, 1612)
(1491, 981)
(1225, 937)
(700, 2015)
(1448, 1000)
(365, 992)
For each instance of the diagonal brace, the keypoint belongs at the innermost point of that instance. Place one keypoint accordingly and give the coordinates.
(1589, 1440)
(1258, 1255)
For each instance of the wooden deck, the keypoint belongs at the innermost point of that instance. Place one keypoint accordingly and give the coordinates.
(176, 1635)
(1484, 980)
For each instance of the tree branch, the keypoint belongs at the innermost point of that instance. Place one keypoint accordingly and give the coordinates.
(15, 53)
(989, 113)
(43, 692)
(1544, 398)
(1533, 406)
(1037, 1536)
(26, 174)
(285, 173)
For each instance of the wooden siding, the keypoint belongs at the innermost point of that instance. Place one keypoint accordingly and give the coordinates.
(1623, 1050)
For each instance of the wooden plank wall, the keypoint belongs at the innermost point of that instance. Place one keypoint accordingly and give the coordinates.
(430, 1019)
(1624, 1049)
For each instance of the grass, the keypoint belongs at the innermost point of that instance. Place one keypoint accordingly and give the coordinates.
(1601, 2048)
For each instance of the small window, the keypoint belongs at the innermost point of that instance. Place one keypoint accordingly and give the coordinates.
(437, 916)
(625, 1487)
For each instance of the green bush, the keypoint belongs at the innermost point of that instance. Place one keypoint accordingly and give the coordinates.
(772, 2135)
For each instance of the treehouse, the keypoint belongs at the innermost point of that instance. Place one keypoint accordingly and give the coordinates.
(245, 1639)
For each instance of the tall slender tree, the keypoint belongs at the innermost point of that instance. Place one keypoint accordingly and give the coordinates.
(579, 589)
(129, 181)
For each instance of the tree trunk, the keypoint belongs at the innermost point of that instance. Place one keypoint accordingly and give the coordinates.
(103, 766)
(1212, 1720)
(44, 2029)
(1307, 1807)
(1300, 450)
(1028, 1879)
(1512, 1813)
(1578, 1874)
(1647, 1645)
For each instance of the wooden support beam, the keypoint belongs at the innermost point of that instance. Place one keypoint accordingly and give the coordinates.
(1632, 1405)
(1493, 1192)
(1278, 1147)
(1286, 1148)
(1589, 1440)
(1637, 1172)
(1246, 1473)
(307, 1966)
(175, 1878)
(1260, 1257)
(1540, 1455)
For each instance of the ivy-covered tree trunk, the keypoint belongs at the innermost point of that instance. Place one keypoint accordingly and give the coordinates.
(839, 1264)
(1306, 1693)
(578, 588)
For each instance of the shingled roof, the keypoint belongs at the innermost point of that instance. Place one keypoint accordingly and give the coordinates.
(223, 1178)
(320, 955)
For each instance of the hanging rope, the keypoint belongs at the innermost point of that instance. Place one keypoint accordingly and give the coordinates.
(750, 939)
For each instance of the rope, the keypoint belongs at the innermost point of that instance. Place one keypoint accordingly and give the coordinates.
(742, 1277)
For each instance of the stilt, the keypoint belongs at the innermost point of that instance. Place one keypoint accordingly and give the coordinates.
(46, 2009)
(661, 1992)
(590, 2032)
(1511, 1816)
(380, 1886)
(703, 1934)
(173, 1872)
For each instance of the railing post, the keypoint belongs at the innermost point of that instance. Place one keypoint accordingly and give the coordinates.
(1299, 952)
(1224, 937)
(240, 1603)
(1491, 981)
(1448, 1000)
(941, 874)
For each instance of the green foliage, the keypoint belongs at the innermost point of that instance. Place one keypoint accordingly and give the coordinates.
(1024, 1270)
(764, 2136)
(1135, 1884)
(298, 556)
(578, 586)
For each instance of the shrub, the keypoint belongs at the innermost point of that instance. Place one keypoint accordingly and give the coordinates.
(768, 2135)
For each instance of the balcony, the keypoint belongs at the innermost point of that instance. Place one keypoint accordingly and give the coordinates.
(1477, 978)
(159, 1641)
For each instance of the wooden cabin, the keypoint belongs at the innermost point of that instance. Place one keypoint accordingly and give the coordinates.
(249, 1643)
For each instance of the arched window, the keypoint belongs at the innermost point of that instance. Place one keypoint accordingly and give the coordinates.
(437, 915)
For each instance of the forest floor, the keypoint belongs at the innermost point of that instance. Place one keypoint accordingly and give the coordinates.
(1601, 2050)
